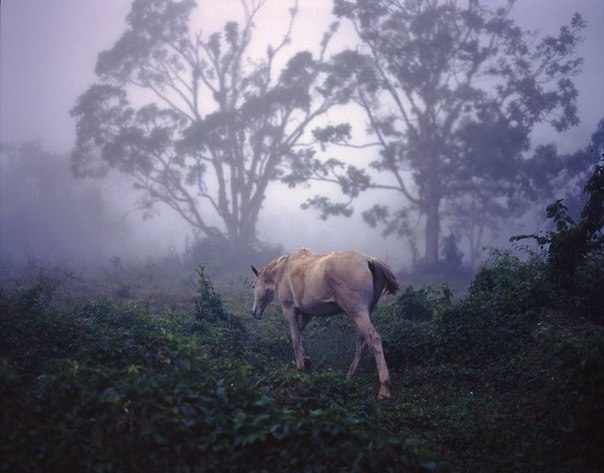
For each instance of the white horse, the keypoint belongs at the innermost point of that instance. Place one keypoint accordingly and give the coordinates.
(309, 285)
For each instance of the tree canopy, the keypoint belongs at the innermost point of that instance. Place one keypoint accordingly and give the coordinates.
(451, 92)
(196, 122)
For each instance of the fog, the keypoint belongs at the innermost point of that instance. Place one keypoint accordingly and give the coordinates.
(48, 52)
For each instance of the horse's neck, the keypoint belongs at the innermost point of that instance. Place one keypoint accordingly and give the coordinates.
(278, 270)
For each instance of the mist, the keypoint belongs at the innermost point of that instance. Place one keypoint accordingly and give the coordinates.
(160, 158)
(48, 56)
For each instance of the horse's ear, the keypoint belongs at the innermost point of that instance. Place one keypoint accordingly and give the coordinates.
(255, 271)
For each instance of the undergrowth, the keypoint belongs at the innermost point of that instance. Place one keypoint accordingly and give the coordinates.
(109, 386)
(509, 378)
(497, 381)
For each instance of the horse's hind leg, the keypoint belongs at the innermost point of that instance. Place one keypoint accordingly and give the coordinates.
(366, 329)
(358, 355)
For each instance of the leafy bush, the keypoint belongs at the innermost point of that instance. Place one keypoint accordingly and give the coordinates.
(227, 331)
(575, 250)
(497, 315)
(409, 343)
(425, 303)
(577, 369)
(107, 386)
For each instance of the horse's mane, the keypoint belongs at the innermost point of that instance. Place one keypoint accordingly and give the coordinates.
(268, 272)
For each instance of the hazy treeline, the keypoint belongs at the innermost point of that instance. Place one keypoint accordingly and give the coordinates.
(440, 104)
(46, 214)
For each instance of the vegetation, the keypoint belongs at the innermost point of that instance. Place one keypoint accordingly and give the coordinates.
(450, 92)
(144, 369)
(109, 386)
(219, 124)
(204, 125)
(509, 378)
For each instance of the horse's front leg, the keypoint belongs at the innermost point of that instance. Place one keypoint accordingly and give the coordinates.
(303, 320)
(296, 332)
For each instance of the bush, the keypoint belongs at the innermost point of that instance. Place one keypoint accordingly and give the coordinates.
(504, 302)
(577, 369)
(227, 330)
(425, 303)
(108, 386)
(410, 343)
(575, 250)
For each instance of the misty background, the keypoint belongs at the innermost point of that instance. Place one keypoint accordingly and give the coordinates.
(48, 52)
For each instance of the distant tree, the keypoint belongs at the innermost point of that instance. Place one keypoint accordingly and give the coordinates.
(46, 216)
(197, 123)
(576, 169)
(451, 92)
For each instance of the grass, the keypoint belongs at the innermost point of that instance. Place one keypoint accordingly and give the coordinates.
(115, 386)
(497, 381)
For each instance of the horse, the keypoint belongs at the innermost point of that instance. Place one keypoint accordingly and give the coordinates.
(311, 285)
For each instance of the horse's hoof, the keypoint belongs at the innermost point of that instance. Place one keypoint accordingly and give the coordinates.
(383, 394)
(307, 364)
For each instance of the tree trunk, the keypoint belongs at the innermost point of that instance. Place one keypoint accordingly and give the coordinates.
(432, 231)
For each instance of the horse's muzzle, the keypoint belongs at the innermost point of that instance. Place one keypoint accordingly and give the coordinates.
(257, 315)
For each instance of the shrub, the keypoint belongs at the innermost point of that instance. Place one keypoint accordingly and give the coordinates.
(108, 386)
(502, 305)
(575, 250)
(229, 330)
(425, 303)
(497, 315)
(410, 343)
(409, 325)
(577, 369)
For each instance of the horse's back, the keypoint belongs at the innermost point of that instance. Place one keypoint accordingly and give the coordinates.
(349, 267)
(330, 283)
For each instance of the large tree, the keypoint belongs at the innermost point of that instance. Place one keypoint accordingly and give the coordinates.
(451, 92)
(196, 122)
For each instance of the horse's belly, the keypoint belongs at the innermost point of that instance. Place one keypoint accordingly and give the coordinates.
(324, 308)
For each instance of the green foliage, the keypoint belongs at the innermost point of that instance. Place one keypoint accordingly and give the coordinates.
(221, 328)
(422, 304)
(107, 386)
(505, 342)
(575, 249)
(504, 379)
(208, 305)
(577, 368)
(501, 306)
(408, 343)
(496, 316)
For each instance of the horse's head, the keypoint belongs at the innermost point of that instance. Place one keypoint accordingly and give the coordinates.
(264, 292)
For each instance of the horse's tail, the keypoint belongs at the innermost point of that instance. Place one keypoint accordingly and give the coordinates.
(383, 280)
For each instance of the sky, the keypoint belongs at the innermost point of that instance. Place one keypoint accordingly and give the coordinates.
(48, 51)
